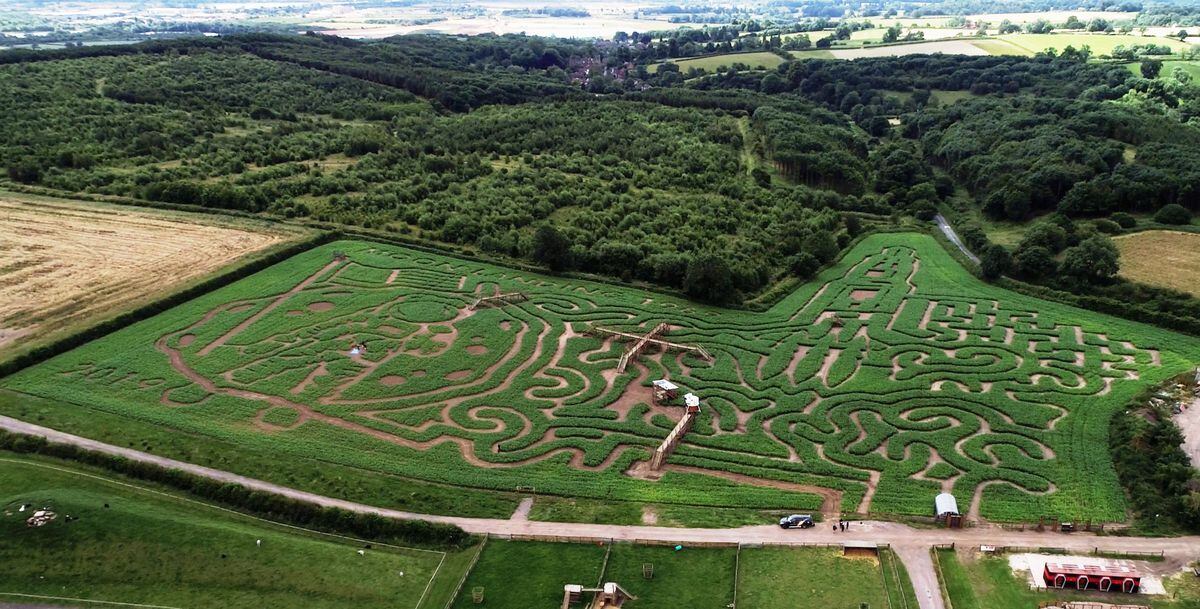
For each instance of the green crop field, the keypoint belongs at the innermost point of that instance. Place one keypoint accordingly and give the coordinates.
(117, 542)
(893, 376)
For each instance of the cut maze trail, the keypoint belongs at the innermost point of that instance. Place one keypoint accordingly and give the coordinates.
(965, 384)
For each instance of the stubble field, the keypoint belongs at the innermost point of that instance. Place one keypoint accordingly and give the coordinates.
(68, 263)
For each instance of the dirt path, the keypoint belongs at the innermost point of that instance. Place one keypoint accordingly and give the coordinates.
(912, 545)
(1189, 423)
(521, 514)
(249, 321)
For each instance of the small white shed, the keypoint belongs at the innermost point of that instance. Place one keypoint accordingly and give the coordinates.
(945, 507)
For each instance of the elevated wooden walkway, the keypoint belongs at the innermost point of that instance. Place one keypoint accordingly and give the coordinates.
(645, 340)
(498, 300)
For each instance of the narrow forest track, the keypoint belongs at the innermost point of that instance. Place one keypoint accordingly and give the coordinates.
(912, 545)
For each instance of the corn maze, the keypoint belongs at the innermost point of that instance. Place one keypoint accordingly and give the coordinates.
(892, 377)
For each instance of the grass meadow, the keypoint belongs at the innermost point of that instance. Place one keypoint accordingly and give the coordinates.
(133, 543)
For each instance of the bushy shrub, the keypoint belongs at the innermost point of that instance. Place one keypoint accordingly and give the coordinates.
(1173, 214)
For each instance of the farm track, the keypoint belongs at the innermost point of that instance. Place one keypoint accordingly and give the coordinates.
(912, 545)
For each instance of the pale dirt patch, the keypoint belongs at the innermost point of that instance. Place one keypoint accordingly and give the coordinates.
(391, 380)
(458, 375)
(186, 339)
(66, 262)
(1189, 423)
(861, 295)
(477, 349)
(318, 307)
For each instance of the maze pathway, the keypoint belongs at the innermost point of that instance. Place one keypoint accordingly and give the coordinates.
(894, 377)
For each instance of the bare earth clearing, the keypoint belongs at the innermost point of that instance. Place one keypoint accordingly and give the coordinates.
(1164, 258)
(67, 262)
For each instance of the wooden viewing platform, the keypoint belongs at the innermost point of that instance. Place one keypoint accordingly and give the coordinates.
(647, 339)
(664, 450)
(499, 300)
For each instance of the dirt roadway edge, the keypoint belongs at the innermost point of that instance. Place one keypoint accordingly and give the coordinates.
(912, 545)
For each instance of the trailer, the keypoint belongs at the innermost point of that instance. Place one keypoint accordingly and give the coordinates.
(1117, 578)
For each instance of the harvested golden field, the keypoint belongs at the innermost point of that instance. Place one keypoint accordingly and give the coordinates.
(68, 262)
(1165, 258)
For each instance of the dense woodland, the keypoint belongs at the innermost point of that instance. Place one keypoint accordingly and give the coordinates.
(495, 144)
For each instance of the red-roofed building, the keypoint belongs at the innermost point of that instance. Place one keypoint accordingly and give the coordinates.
(1096, 577)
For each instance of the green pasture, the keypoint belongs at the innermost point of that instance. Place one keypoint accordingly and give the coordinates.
(893, 364)
(520, 574)
(789, 577)
(697, 578)
(129, 543)
(977, 582)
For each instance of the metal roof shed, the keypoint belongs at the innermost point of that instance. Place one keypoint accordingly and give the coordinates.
(945, 504)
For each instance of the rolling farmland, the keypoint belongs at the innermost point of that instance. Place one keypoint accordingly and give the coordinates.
(892, 377)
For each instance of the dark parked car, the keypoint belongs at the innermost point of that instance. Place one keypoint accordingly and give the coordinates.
(796, 521)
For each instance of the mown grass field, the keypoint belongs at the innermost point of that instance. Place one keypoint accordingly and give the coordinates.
(893, 376)
(519, 574)
(130, 543)
(785, 578)
(1169, 259)
(989, 583)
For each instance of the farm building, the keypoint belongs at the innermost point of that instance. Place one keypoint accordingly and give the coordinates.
(945, 508)
(1098, 577)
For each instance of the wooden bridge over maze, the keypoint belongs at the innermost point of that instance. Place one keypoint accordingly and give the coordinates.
(499, 300)
(647, 339)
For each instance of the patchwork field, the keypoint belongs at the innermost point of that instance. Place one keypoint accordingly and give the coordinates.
(662, 577)
(125, 543)
(1101, 44)
(894, 376)
(1165, 258)
(66, 263)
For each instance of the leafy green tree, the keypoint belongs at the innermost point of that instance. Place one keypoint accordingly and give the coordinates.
(1095, 259)
(1045, 234)
(552, 248)
(1035, 263)
(1151, 68)
(709, 279)
(1123, 219)
(1173, 214)
(995, 261)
